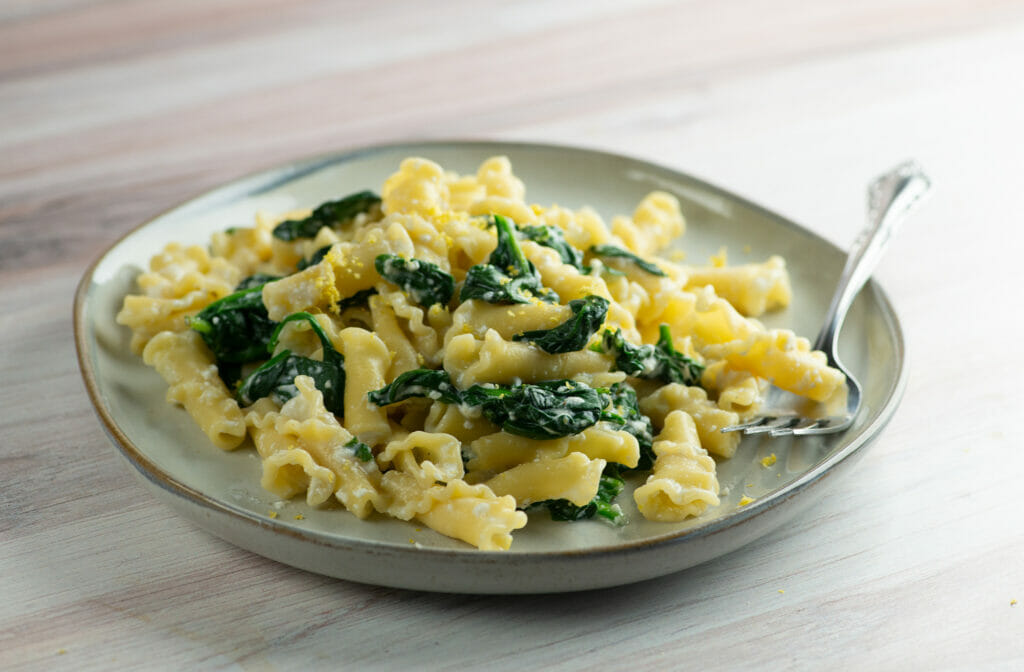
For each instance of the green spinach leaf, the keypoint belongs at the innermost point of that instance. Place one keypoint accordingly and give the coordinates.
(362, 450)
(423, 281)
(358, 299)
(588, 315)
(508, 276)
(256, 280)
(603, 505)
(315, 259)
(618, 252)
(653, 362)
(236, 328)
(625, 412)
(276, 377)
(545, 410)
(554, 238)
(334, 214)
(417, 383)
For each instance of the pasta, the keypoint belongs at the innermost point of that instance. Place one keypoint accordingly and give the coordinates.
(683, 481)
(191, 375)
(451, 353)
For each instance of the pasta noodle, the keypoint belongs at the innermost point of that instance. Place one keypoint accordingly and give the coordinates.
(449, 352)
(683, 482)
(573, 477)
(191, 375)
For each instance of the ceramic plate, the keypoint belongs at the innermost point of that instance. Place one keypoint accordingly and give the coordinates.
(220, 491)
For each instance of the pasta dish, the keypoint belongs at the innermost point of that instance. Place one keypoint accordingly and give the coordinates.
(450, 353)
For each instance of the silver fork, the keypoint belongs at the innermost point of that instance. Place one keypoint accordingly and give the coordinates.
(890, 198)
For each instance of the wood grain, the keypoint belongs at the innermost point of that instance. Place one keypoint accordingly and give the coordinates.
(111, 112)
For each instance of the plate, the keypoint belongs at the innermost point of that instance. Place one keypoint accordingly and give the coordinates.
(220, 491)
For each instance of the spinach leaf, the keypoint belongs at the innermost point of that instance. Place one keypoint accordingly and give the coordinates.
(362, 451)
(315, 259)
(236, 328)
(417, 383)
(588, 315)
(357, 299)
(614, 251)
(230, 373)
(545, 410)
(332, 213)
(256, 280)
(276, 377)
(603, 504)
(553, 237)
(508, 276)
(653, 362)
(425, 282)
(625, 412)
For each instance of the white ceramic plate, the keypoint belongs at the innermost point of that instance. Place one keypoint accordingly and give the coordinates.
(221, 492)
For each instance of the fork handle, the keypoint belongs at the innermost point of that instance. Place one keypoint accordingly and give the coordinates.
(891, 197)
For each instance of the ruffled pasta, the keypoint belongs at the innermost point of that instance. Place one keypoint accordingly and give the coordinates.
(256, 250)
(368, 360)
(574, 477)
(495, 360)
(181, 359)
(501, 451)
(473, 514)
(683, 483)
(709, 418)
(346, 270)
(656, 222)
(181, 282)
(305, 448)
(753, 289)
(426, 484)
(785, 359)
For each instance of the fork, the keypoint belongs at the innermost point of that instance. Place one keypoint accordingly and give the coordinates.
(891, 197)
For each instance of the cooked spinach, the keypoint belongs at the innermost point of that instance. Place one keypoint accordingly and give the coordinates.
(423, 281)
(276, 377)
(602, 269)
(358, 299)
(315, 259)
(545, 410)
(653, 362)
(603, 504)
(230, 373)
(236, 328)
(588, 315)
(256, 280)
(362, 451)
(553, 237)
(417, 383)
(332, 213)
(625, 412)
(615, 251)
(508, 276)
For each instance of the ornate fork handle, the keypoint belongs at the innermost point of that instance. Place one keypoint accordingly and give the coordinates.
(891, 198)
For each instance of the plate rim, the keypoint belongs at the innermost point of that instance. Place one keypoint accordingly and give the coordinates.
(296, 168)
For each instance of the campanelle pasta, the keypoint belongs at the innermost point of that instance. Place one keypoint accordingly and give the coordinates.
(450, 353)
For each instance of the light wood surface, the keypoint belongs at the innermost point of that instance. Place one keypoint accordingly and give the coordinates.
(111, 112)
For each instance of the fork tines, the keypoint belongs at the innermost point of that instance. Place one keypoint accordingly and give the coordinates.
(783, 424)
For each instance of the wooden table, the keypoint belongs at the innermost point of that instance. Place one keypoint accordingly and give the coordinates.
(111, 112)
